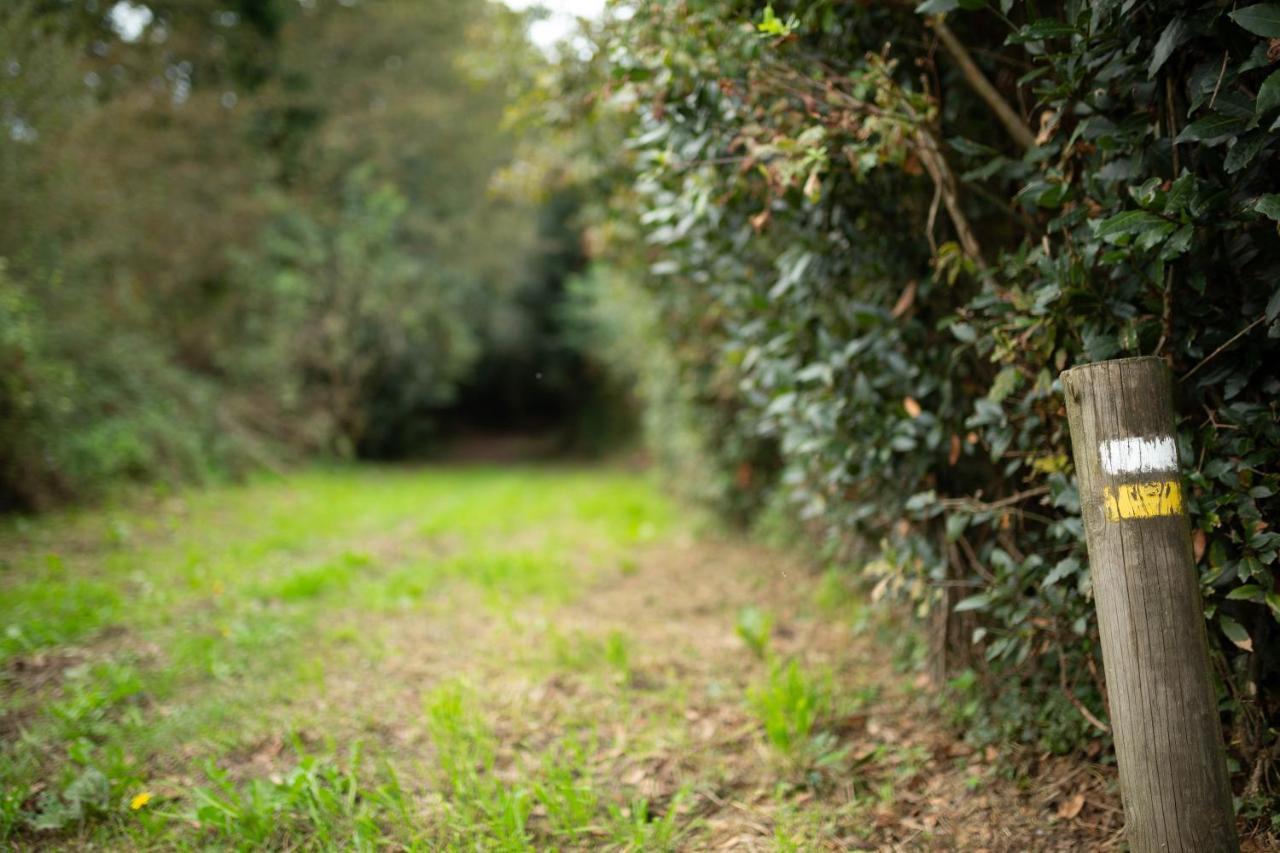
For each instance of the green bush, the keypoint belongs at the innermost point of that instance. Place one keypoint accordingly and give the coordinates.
(866, 281)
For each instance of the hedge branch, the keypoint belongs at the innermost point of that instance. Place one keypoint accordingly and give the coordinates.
(979, 83)
(944, 181)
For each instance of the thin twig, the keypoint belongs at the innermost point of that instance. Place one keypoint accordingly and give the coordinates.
(1213, 423)
(1237, 336)
(1071, 697)
(1221, 72)
(1166, 315)
(980, 506)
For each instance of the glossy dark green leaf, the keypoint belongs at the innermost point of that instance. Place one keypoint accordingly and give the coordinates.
(1268, 206)
(973, 602)
(1129, 223)
(1245, 151)
(1046, 28)
(1177, 32)
(1262, 19)
(1247, 592)
(1212, 129)
(1235, 632)
(1268, 95)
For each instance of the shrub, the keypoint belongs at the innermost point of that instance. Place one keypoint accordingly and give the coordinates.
(872, 238)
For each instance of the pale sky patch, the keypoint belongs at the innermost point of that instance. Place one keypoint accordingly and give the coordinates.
(562, 21)
(130, 19)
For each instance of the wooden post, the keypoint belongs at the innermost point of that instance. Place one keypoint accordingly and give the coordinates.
(1173, 769)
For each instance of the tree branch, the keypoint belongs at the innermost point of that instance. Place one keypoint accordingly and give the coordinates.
(980, 84)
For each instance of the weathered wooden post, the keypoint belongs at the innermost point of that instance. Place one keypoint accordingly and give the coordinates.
(1173, 769)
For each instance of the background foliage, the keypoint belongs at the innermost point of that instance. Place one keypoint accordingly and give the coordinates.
(869, 237)
(235, 232)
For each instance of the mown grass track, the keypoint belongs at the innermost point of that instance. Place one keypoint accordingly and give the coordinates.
(472, 658)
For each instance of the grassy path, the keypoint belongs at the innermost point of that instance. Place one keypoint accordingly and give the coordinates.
(470, 658)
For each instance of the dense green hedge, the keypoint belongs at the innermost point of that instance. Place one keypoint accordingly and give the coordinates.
(873, 236)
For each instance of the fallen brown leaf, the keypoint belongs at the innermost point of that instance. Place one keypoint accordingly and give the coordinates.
(903, 305)
(1070, 807)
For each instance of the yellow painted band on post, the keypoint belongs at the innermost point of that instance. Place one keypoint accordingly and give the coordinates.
(1143, 500)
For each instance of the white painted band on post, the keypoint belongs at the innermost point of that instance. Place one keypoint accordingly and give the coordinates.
(1130, 455)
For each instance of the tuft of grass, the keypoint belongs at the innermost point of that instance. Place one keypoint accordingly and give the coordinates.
(636, 826)
(483, 810)
(506, 575)
(617, 652)
(582, 652)
(792, 704)
(755, 627)
(314, 581)
(317, 805)
(839, 595)
(567, 791)
(93, 698)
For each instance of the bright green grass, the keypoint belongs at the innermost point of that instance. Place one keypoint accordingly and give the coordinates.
(146, 641)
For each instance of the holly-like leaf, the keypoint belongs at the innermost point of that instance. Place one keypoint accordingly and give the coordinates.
(1045, 28)
(1268, 95)
(1245, 150)
(1269, 206)
(973, 602)
(937, 7)
(1174, 35)
(1118, 228)
(1235, 632)
(1273, 306)
(1247, 592)
(1212, 129)
(1262, 19)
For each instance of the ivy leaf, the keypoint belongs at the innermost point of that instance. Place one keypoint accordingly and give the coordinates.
(937, 7)
(1268, 95)
(1212, 129)
(1262, 19)
(1174, 35)
(1234, 630)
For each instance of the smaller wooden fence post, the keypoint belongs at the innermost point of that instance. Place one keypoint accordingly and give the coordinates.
(1173, 770)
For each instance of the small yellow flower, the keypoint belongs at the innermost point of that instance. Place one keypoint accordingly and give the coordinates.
(140, 800)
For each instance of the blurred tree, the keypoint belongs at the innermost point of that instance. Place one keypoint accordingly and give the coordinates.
(239, 227)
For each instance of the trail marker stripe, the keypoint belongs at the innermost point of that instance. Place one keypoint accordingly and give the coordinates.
(1134, 454)
(1143, 500)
